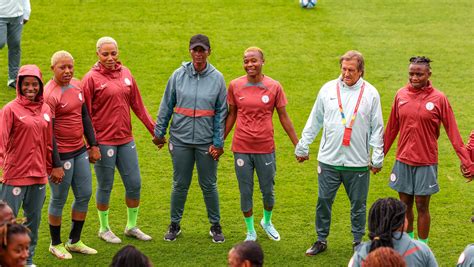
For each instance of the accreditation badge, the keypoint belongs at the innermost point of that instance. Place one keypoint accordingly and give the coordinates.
(346, 140)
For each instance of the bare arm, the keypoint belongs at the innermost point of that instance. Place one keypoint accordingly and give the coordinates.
(287, 125)
(230, 120)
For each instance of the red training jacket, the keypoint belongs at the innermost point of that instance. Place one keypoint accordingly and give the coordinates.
(109, 95)
(26, 136)
(417, 114)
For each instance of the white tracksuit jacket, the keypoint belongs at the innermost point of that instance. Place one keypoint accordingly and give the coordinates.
(367, 131)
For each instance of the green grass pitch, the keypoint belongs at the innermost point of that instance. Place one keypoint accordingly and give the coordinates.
(301, 49)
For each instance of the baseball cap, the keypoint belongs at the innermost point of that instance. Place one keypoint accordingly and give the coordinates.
(199, 40)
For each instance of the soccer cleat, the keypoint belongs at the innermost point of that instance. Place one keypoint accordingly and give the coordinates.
(270, 230)
(60, 252)
(11, 83)
(109, 237)
(251, 236)
(137, 233)
(173, 231)
(318, 247)
(355, 244)
(80, 247)
(216, 233)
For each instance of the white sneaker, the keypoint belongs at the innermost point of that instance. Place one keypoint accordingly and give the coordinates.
(110, 237)
(80, 247)
(251, 236)
(272, 233)
(137, 233)
(60, 252)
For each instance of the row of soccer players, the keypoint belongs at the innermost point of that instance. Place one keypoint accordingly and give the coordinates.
(64, 111)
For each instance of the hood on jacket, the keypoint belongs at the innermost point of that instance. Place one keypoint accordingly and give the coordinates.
(191, 71)
(103, 70)
(29, 70)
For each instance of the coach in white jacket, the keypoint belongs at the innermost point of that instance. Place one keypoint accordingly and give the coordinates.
(348, 109)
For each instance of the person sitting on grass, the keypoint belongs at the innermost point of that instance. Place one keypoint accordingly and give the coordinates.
(387, 226)
(384, 257)
(14, 245)
(246, 254)
(130, 256)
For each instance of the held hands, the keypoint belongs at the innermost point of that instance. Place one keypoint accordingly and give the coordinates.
(159, 141)
(301, 159)
(57, 175)
(373, 169)
(467, 174)
(94, 154)
(215, 152)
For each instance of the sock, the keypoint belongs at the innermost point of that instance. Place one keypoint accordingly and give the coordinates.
(411, 234)
(423, 240)
(76, 229)
(132, 214)
(267, 216)
(55, 232)
(249, 224)
(104, 220)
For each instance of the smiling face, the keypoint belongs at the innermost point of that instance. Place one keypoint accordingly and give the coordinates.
(17, 250)
(253, 62)
(350, 71)
(30, 87)
(418, 75)
(108, 55)
(63, 70)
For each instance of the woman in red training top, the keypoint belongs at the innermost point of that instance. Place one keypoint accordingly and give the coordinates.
(417, 113)
(26, 141)
(71, 124)
(110, 91)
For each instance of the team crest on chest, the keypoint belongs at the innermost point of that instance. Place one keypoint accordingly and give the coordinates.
(127, 81)
(265, 99)
(429, 106)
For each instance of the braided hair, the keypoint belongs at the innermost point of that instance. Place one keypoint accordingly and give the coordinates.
(386, 216)
(421, 60)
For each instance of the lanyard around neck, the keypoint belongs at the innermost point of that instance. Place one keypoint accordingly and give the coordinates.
(344, 122)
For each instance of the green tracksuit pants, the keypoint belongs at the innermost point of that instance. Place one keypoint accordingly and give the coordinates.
(184, 157)
(356, 184)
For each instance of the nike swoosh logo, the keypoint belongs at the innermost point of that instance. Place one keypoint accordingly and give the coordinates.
(362, 174)
(86, 157)
(402, 103)
(134, 146)
(41, 187)
(268, 163)
(63, 106)
(22, 117)
(242, 97)
(102, 86)
(431, 186)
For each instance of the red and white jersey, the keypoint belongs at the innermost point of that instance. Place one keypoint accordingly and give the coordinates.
(26, 136)
(418, 114)
(255, 105)
(66, 106)
(109, 95)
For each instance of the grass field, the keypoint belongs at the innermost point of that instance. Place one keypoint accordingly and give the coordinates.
(302, 49)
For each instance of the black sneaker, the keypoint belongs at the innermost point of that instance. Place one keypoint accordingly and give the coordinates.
(318, 247)
(355, 244)
(216, 233)
(173, 231)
